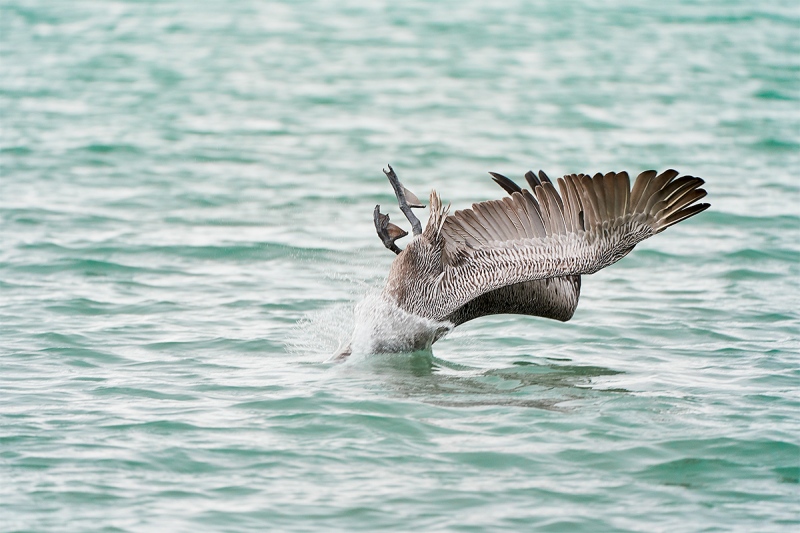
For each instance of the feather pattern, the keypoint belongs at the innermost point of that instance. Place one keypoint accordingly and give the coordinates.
(555, 298)
(534, 235)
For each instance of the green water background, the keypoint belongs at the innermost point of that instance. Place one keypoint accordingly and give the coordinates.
(186, 192)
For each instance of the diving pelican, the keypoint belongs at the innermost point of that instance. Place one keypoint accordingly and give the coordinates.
(523, 254)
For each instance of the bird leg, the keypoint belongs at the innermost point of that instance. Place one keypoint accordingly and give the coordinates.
(406, 199)
(387, 231)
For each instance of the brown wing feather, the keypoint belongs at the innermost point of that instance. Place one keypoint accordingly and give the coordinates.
(592, 224)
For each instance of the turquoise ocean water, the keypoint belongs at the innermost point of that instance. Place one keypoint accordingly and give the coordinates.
(186, 195)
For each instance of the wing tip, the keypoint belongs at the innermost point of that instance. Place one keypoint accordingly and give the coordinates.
(507, 184)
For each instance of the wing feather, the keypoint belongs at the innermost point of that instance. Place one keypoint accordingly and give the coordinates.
(547, 217)
(465, 228)
(509, 186)
(577, 204)
(483, 217)
(524, 216)
(623, 193)
(532, 180)
(600, 194)
(537, 235)
(569, 209)
(511, 209)
(470, 220)
(642, 180)
(536, 214)
(500, 218)
(676, 216)
(556, 206)
(610, 186)
(589, 199)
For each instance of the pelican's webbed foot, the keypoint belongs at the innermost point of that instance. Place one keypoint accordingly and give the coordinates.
(387, 231)
(406, 200)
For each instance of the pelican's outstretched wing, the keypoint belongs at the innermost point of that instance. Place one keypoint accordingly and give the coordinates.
(527, 236)
(555, 298)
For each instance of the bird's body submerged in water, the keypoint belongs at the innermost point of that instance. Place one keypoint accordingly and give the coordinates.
(523, 254)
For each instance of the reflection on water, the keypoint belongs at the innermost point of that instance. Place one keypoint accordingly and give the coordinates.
(423, 376)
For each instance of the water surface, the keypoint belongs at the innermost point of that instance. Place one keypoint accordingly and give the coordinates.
(186, 195)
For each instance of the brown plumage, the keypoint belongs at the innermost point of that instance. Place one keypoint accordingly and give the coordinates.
(525, 253)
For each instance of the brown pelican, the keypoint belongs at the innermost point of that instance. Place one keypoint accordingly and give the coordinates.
(523, 254)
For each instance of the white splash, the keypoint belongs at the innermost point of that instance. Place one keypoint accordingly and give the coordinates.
(321, 333)
(372, 325)
(380, 326)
